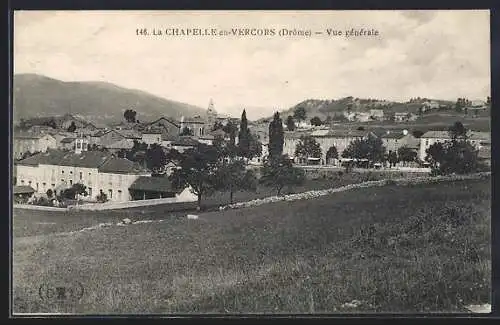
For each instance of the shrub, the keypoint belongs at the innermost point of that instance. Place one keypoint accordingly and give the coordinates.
(102, 197)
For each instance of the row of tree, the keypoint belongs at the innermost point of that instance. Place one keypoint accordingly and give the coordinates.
(223, 166)
(457, 155)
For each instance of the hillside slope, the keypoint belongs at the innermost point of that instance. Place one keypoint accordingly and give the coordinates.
(36, 95)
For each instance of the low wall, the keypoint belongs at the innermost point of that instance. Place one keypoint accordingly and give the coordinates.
(318, 193)
(130, 204)
(37, 207)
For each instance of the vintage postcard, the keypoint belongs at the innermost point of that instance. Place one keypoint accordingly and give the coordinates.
(251, 162)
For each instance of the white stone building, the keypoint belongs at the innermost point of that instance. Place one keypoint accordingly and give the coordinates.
(98, 171)
(26, 142)
(481, 140)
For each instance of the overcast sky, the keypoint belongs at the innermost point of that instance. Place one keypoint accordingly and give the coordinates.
(434, 54)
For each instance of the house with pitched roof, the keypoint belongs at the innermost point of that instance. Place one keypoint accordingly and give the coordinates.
(168, 126)
(481, 140)
(98, 171)
(393, 140)
(326, 139)
(32, 142)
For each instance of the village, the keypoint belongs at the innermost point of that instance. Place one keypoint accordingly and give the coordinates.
(55, 154)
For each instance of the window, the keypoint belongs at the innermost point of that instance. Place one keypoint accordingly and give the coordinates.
(71, 172)
(110, 191)
(22, 181)
(70, 182)
(53, 185)
(29, 182)
(426, 142)
(90, 174)
(44, 184)
(62, 171)
(62, 180)
(81, 175)
(90, 191)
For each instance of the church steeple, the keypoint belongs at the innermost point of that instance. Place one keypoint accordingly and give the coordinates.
(211, 113)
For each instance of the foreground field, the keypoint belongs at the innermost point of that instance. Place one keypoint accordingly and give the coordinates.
(389, 249)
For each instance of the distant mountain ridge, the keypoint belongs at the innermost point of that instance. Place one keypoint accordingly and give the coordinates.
(37, 96)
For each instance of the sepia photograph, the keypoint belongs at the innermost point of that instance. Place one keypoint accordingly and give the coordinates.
(251, 162)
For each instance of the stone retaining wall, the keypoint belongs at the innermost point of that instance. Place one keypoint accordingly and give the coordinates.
(318, 193)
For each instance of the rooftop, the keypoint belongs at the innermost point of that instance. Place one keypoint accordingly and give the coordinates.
(164, 119)
(68, 140)
(394, 135)
(23, 189)
(185, 141)
(105, 162)
(473, 135)
(122, 144)
(153, 184)
(121, 166)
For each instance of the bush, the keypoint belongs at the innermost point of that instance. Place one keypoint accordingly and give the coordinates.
(102, 197)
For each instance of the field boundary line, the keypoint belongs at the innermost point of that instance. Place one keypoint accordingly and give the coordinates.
(318, 193)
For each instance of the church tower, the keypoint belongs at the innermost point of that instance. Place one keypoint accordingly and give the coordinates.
(211, 113)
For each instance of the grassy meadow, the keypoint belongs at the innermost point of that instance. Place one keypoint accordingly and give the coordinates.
(419, 248)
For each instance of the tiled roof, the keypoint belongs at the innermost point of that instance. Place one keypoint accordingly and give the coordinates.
(122, 144)
(68, 140)
(87, 159)
(185, 141)
(166, 120)
(473, 135)
(153, 184)
(346, 133)
(130, 134)
(27, 135)
(100, 133)
(23, 189)
(169, 137)
(121, 166)
(393, 135)
(195, 120)
(152, 131)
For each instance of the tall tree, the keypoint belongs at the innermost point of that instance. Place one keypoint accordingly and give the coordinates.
(299, 114)
(232, 176)
(255, 148)
(435, 154)
(332, 153)
(156, 158)
(290, 123)
(392, 158)
(458, 131)
(369, 148)
(244, 137)
(72, 127)
(276, 137)
(308, 147)
(231, 129)
(279, 172)
(406, 154)
(130, 115)
(197, 169)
